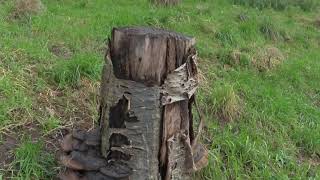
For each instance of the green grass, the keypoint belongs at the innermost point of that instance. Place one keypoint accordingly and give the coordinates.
(69, 72)
(280, 5)
(270, 30)
(279, 122)
(14, 102)
(274, 127)
(32, 163)
(50, 124)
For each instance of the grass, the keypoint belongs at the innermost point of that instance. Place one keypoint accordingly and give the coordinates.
(268, 99)
(70, 72)
(26, 8)
(31, 162)
(280, 5)
(50, 124)
(270, 30)
(14, 102)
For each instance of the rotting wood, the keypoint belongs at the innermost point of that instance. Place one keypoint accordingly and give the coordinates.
(151, 75)
(146, 120)
(82, 157)
(133, 138)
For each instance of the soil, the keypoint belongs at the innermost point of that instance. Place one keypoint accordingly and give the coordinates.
(8, 143)
(313, 159)
(24, 8)
(11, 140)
(61, 50)
(317, 23)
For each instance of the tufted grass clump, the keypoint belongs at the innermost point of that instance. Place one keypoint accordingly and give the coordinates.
(227, 104)
(280, 5)
(25, 8)
(234, 58)
(32, 162)
(227, 37)
(307, 5)
(268, 58)
(69, 72)
(262, 4)
(271, 31)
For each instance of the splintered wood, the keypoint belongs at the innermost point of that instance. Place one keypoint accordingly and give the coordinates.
(148, 90)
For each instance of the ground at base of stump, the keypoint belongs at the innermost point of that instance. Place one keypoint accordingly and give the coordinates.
(83, 160)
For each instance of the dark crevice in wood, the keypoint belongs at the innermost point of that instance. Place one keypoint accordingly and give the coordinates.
(118, 155)
(117, 170)
(191, 130)
(118, 140)
(162, 165)
(119, 113)
(131, 117)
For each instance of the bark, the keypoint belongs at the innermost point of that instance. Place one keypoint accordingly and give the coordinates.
(147, 93)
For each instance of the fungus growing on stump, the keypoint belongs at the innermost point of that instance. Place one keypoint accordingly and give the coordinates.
(146, 121)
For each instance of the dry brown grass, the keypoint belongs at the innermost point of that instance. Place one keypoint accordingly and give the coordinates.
(61, 50)
(27, 7)
(308, 22)
(228, 105)
(313, 159)
(75, 108)
(235, 56)
(317, 22)
(268, 58)
(230, 109)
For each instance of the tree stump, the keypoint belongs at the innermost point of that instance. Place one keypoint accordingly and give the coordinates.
(146, 121)
(146, 99)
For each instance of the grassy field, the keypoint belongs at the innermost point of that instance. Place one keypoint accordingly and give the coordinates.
(260, 91)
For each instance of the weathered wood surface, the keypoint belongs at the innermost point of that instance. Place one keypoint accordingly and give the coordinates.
(147, 55)
(82, 158)
(131, 129)
(146, 99)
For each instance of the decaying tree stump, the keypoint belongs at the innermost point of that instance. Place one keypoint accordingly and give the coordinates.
(146, 94)
(146, 121)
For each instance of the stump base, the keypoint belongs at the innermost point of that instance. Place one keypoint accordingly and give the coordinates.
(83, 160)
